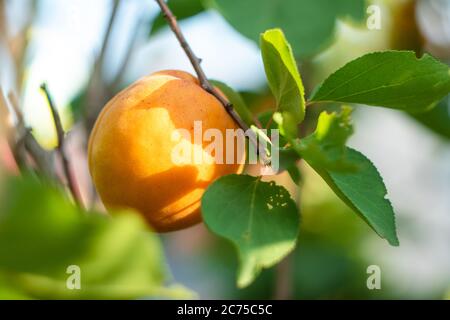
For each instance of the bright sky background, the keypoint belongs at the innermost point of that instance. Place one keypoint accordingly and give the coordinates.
(67, 36)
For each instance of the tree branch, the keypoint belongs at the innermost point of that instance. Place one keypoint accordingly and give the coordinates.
(12, 136)
(284, 282)
(73, 187)
(98, 91)
(20, 43)
(108, 33)
(3, 20)
(42, 158)
(22, 141)
(206, 85)
(115, 84)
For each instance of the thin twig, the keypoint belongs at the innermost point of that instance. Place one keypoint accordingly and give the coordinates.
(42, 158)
(14, 140)
(73, 187)
(20, 43)
(109, 29)
(118, 79)
(98, 92)
(14, 101)
(3, 20)
(283, 283)
(17, 45)
(22, 141)
(206, 85)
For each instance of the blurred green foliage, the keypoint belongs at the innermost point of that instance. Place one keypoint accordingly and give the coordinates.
(42, 233)
(309, 25)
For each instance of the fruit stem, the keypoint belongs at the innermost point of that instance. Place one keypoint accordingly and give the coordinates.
(206, 85)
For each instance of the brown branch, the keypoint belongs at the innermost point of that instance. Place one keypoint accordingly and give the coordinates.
(22, 142)
(109, 29)
(98, 92)
(206, 85)
(3, 20)
(73, 187)
(13, 138)
(20, 43)
(42, 158)
(115, 84)
(283, 279)
(17, 46)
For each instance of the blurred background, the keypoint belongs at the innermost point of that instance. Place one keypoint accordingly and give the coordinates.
(86, 51)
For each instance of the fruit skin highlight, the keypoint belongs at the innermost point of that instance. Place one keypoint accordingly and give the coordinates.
(131, 146)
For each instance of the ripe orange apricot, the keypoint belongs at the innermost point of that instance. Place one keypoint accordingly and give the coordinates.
(131, 149)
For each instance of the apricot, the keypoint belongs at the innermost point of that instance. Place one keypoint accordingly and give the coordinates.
(131, 149)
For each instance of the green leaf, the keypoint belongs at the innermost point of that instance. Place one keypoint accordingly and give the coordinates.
(284, 81)
(326, 147)
(309, 24)
(41, 236)
(391, 79)
(259, 218)
(238, 102)
(365, 193)
(182, 9)
(437, 119)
